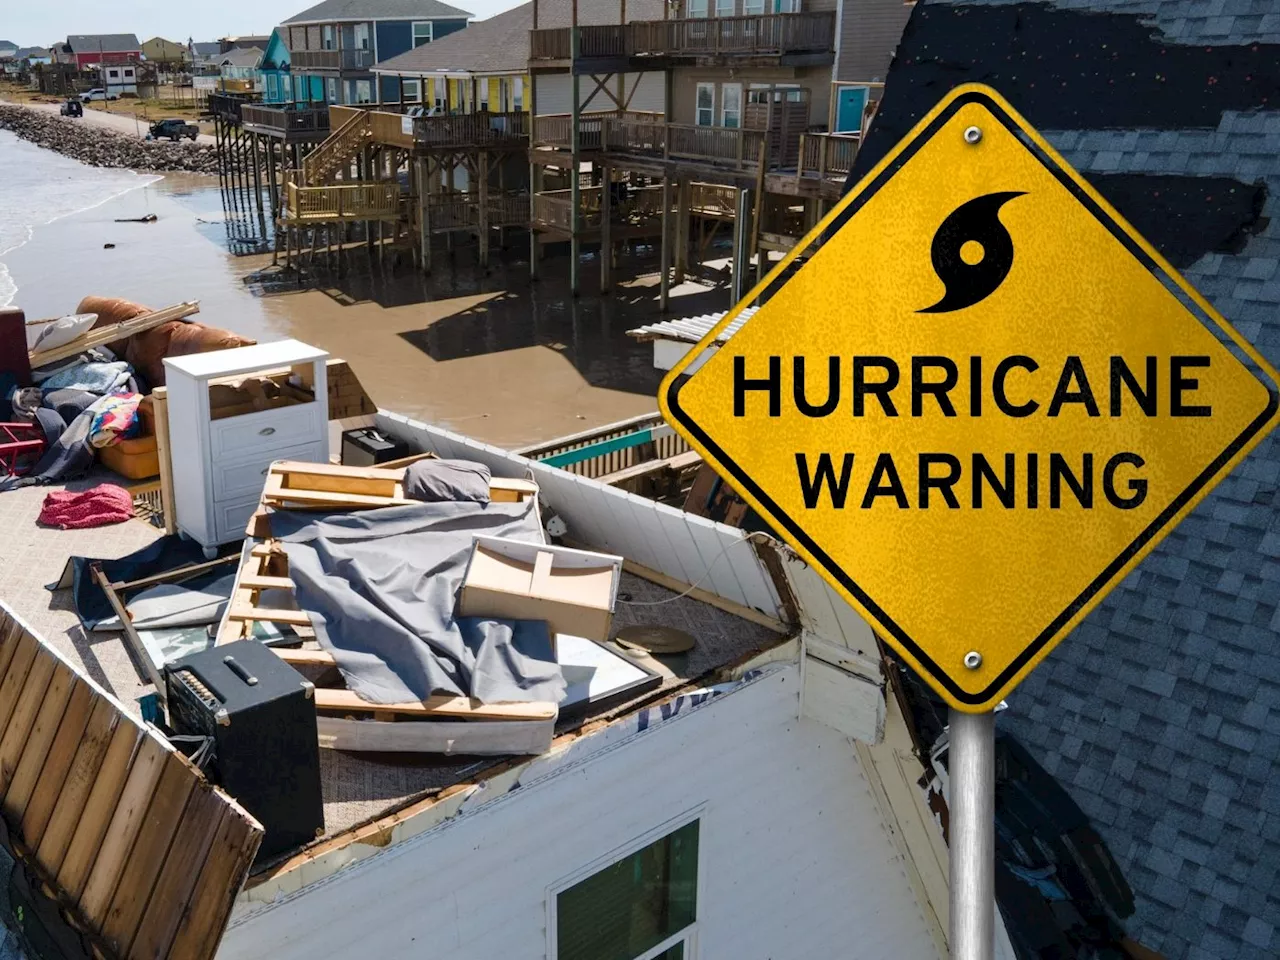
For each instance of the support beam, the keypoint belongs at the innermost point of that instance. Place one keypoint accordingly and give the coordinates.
(575, 187)
(741, 245)
(483, 200)
(664, 281)
(684, 188)
(606, 228)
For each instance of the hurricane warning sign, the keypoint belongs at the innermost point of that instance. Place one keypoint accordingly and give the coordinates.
(979, 403)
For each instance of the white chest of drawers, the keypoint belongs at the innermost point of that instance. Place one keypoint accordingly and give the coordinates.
(220, 461)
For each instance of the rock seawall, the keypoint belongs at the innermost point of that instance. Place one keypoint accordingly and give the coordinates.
(106, 148)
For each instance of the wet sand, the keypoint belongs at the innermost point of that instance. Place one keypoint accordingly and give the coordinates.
(495, 357)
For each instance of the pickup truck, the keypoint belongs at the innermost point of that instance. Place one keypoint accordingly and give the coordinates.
(98, 93)
(174, 129)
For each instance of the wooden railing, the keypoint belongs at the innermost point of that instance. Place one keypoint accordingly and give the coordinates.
(732, 145)
(552, 44)
(389, 128)
(287, 119)
(331, 59)
(827, 154)
(553, 208)
(471, 129)
(346, 201)
(773, 33)
(555, 129)
(509, 210)
(713, 199)
(227, 107)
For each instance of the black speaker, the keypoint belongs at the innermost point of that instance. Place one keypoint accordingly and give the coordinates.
(260, 716)
(366, 447)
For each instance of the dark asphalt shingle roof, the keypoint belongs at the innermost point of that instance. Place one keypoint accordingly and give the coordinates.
(497, 45)
(241, 57)
(110, 42)
(1160, 714)
(328, 11)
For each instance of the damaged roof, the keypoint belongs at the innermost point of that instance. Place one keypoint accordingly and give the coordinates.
(1160, 715)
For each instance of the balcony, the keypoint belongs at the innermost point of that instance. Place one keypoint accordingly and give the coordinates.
(355, 201)
(768, 35)
(287, 122)
(471, 129)
(332, 59)
(634, 211)
(827, 154)
(646, 135)
(461, 211)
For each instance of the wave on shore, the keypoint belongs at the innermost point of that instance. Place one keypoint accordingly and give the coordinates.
(40, 186)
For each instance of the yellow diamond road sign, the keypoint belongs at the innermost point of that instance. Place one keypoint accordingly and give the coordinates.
(980, 403)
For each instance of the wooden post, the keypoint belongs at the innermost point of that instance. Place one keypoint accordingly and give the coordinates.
(683, 188)
(535, 171)
(664, 281)
(741, 224)
(424, 212)
(160, 409)
(606, 228)
(483, 200)
(575, 187)
(756, 216)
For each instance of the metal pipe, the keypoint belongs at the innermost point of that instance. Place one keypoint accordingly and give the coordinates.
(972, 804)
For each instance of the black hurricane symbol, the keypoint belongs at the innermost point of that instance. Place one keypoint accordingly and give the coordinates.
(968, 283)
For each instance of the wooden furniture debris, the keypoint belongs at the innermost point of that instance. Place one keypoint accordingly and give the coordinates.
(79, 773)
(116, 331)
(265, 567)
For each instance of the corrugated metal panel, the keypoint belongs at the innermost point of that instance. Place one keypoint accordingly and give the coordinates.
(692, 329)
(795, 858)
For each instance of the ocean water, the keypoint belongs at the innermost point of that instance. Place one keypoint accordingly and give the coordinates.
(39, 186)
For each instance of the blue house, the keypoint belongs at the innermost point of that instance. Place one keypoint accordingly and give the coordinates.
(334, 44)
(277, 84)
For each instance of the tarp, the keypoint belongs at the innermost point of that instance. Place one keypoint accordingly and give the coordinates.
(380, 588)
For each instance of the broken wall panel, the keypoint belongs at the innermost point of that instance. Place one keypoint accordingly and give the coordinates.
(100, 810)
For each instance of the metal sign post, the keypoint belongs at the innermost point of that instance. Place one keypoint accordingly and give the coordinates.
(974, 408)
(971, 770)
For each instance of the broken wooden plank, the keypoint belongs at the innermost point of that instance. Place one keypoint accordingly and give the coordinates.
(256, 581)
(440, 705)
(24, 656)
(298, 657)
(76, 727)
(123, 828)
(64, 814)
(24, 713)
(241, 611)
(116, 331)
(209, 905)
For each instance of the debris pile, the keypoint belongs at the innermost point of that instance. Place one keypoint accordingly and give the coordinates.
(105, 148)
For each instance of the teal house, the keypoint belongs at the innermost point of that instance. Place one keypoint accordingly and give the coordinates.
(276, 85)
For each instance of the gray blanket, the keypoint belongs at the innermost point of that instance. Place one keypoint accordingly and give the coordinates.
(380, 588)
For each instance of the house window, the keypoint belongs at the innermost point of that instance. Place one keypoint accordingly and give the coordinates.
(697, 8)
(422, 33)
(724, 8)
(517, 94)
(439, 87)
(113, 74)
(331, 89)
(640, 907)
(326, 37)
(364, 91)
(362, 36)
(731, 105)
(411, 90)
(483, 84)
(706, 105)
(752, 8)
(786, 6)
(273, 87)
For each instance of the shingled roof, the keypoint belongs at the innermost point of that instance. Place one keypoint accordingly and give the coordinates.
(332, 11)
(1160, 715)
(497, 45)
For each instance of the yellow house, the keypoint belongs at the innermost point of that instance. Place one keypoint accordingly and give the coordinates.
(160, 50)
(484, 67)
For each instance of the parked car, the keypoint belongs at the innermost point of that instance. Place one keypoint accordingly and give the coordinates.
(98, 93)
(173, 128)
(72, 108)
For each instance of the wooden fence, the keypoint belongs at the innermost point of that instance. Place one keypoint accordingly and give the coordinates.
(757, 35)
(827, 154)
(142, 855)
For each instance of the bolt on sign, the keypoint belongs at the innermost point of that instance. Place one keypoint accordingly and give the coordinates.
(981, 401)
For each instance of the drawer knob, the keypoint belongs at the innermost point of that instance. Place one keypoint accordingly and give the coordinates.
(266, 431)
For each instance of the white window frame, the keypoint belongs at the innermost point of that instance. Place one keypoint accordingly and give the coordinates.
(724, 101)
(113, 74)
(697, 108)
(517, 93)
(331, 89)
(689, 935)
(416, 84)
(697, 9)
(726, 8)
(753, 8)
(357, 91)
(361, 36)
(327, 41)
(413, 32)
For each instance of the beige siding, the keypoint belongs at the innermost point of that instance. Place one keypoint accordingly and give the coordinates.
(559, 13)
(555, 93)
(869, 33)
(685, 82)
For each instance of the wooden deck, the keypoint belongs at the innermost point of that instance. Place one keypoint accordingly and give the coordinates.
(293, 123)
(336, 202)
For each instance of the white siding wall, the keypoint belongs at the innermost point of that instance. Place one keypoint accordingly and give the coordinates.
(555, 93)
(796, 859)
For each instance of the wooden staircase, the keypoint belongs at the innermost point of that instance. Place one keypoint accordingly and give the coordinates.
(338, 151)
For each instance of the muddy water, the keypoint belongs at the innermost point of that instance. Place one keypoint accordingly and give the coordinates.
(494, 356)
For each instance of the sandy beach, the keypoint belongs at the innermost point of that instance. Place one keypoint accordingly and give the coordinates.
(493, 356)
